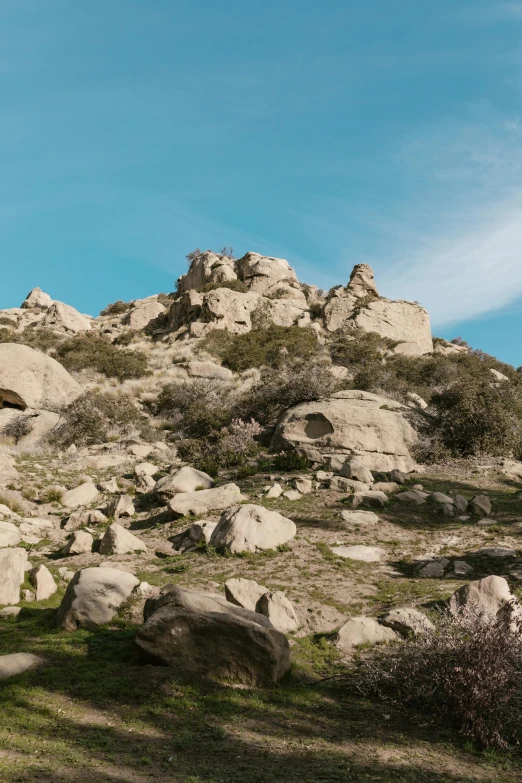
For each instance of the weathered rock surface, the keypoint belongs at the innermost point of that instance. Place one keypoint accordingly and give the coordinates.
(197, 534)
(9, 534)
(279, 610)
(18, 663)
(366, 554)
(205, 500)
(79, 543)
(364, 630)
(368, 426)
(143, 313)
(43, 582)
(80, 496)
(119, 541)
(121, 506)
(250, 528)
(63, 316)
(186, 479)
(406, 621)
(93, 597)
(244, 592)
(208, 635)
(487, 598)
(12, 573)
(31, 379)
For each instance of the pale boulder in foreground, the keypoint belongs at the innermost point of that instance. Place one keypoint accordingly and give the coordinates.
(43, 582)
(364, 630)
(209, 636)
(93, 597)
(250, 528)
(18, 663)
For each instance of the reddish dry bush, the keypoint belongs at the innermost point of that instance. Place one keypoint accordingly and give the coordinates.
(465, 670)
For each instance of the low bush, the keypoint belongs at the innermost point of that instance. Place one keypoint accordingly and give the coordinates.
(281, 388)
(117, 308)
(230, 447)
(288, 461)
(18, 427)
(270, 347)
(475, 416)
(196, 409)
(356, 348)
(42, 339)
(467, 671)
(96, 417)
(89, 351)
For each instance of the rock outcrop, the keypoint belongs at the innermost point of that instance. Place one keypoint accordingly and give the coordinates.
(357, 423)
(31, 379)
(93, 597)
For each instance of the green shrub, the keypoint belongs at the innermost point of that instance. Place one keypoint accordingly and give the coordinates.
(475, 416)
(12, 503)
(52, 495)
(281, 388)
(356, 348)
(95, 417)
(289, 461)
(233, 285)
(89, 351)
(198, 408)
(41, 339)
(116, 308)
(271, 347)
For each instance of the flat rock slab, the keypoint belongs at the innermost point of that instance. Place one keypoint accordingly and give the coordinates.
(359, 517)
(18, 663)
(366, 554)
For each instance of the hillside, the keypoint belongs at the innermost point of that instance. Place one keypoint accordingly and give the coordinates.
(313, 475)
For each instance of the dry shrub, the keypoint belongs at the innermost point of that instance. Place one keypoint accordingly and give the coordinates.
(41, 339)
(18, 427)
(283, 387)
(96, 417)
(270, 347)
(116, 308)
(196, 409)
(97, 353)
(466, 670)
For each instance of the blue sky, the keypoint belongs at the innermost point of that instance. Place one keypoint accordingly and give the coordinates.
(331, 133)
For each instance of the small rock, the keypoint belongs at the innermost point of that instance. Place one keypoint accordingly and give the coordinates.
(42, 579)
(244, 592)
(279, 611)
(121, 506)
(79, 543)
(275, 491)
(369, 498)
(406, 620)
(461, 568)
(80, 496)
(480, 506)
(440, 497)
(398, 476)
(18, 663)
(10, 611)
(461, 504)
(434, 570)
(354, 469)
(292, 494)
(359, 517)
(366, 554)
(364, 630)
(388, 487)
(413, 496)
(119, 541)
(302, 485)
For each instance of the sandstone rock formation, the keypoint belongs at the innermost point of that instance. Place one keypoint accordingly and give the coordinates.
(31, 379)
(362, 424)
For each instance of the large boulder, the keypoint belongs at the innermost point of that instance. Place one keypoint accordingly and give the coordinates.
(67, 318)
(186, 479)
(209, 636)
(244, 592)
(82, 495)
(208, 267)
(36, 298)
(357, 423)
(12, 573)
(142, 313)
(43, 582)
(250, 528)
(230, 310)
(268, 276)
(205, 500)
(31, 379)
(93, 597)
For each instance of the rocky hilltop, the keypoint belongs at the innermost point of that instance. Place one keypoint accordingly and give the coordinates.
(246, 480)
